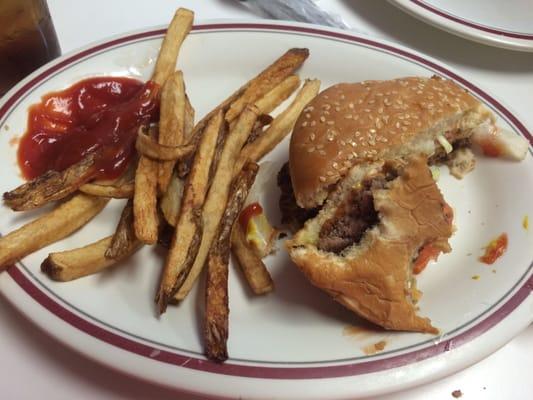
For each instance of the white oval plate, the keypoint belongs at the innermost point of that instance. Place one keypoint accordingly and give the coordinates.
(291, 343)
(505, 24)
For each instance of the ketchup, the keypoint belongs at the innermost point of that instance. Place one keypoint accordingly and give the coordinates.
(250, 211)
(495, 249)
(100, 114)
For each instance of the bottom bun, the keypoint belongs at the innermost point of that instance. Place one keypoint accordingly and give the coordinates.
(373, 276)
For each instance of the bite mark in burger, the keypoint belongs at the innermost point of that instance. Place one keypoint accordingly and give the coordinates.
(371, 232)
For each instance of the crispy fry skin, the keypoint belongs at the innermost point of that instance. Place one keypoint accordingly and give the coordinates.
(73, 264)
(170, 202)
(145, 219)
(188, 232)
(148, 147)
(252, 266)
(259, 126)
(218, 192)
(51, 227)
(216, 301)
(267, 80)
(188, 125)
(280, 127)
(171, 123)
(124, 237)
(124, 191)
(278, 94)
(176, 33)
(52, 185)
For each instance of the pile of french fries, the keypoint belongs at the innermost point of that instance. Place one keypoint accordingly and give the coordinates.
(191, 179)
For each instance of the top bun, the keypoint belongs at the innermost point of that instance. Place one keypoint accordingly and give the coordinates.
(351, 123)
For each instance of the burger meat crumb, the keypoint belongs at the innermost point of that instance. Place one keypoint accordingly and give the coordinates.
(457, 394)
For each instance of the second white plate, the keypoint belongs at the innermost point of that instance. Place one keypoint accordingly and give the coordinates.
(505, 24)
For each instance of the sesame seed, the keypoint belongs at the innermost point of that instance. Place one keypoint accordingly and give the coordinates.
(312, 136)
(322, 179)
(326, 112)
(337, 109)
(342, 97)
(380, 110)
(348, 116)
(335, 165)
(304, 124)
(357, 133)
(307, 116)
(313, 123)
(326, 96)
(322, 152)
(371, 101)
(330, 122)
(322, 119)
(372, 130)
(351, 105)
(319, 146)
(367, 110)
(343, 143)
(311, 149)
(326, 106)
(336, 103)
(359, 101)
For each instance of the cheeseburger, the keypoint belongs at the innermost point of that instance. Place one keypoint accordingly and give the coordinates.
(358, 178)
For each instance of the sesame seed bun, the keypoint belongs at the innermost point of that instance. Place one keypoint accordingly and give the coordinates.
(352, 123)
(373, 277)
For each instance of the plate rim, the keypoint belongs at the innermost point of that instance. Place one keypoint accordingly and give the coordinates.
(10, 99)
(465, 28)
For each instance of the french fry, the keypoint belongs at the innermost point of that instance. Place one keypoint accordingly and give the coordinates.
(188, 125)
(252, 266)
(218, 193)
(256, 87)
(170, 202)
(148, 147)
(124, 191)
(188, 233)
(171, 123)
(278, 94)
(145, 196)
(280, 127)
(52, 185)
(267, 80)
(51, 227)
(145, 219)
(73, 264)
(216, 300)
(123, 240)
(176, 33)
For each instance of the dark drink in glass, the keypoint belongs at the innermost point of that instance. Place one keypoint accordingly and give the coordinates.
(27, 39)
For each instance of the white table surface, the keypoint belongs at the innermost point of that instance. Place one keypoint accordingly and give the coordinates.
(36, 366)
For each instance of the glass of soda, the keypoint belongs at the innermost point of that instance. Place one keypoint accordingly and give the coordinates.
(27, 40)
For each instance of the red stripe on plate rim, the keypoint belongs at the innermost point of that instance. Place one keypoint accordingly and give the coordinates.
(471, 24)
(253, 371)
